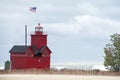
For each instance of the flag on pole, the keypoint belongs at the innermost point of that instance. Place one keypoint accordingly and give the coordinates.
(32, 9)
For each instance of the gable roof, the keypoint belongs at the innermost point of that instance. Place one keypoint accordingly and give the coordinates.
(41, 49)
(20, 49)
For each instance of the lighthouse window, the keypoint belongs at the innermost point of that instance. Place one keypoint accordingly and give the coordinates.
(46, 54)
(38, 54)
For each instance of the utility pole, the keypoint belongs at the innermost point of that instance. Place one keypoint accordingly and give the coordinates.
(25, 35)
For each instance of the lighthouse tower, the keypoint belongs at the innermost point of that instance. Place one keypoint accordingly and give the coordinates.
(38, 39)
(37, 55)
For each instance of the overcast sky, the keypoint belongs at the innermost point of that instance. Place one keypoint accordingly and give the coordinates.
(77, 29)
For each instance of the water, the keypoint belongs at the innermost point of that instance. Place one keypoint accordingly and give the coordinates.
(78, 67)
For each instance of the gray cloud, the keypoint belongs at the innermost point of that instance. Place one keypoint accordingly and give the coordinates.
(76, 28)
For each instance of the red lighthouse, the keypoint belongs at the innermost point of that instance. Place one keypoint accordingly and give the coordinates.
(37, 55)
(38, 39)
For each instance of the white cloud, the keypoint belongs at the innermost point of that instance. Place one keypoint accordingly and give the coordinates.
(86, 25)
(83, 25)
(88, 8)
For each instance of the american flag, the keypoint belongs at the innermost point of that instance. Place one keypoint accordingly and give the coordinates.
(33, 9)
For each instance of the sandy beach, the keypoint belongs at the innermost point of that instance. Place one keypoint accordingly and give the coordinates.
(54, 77)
